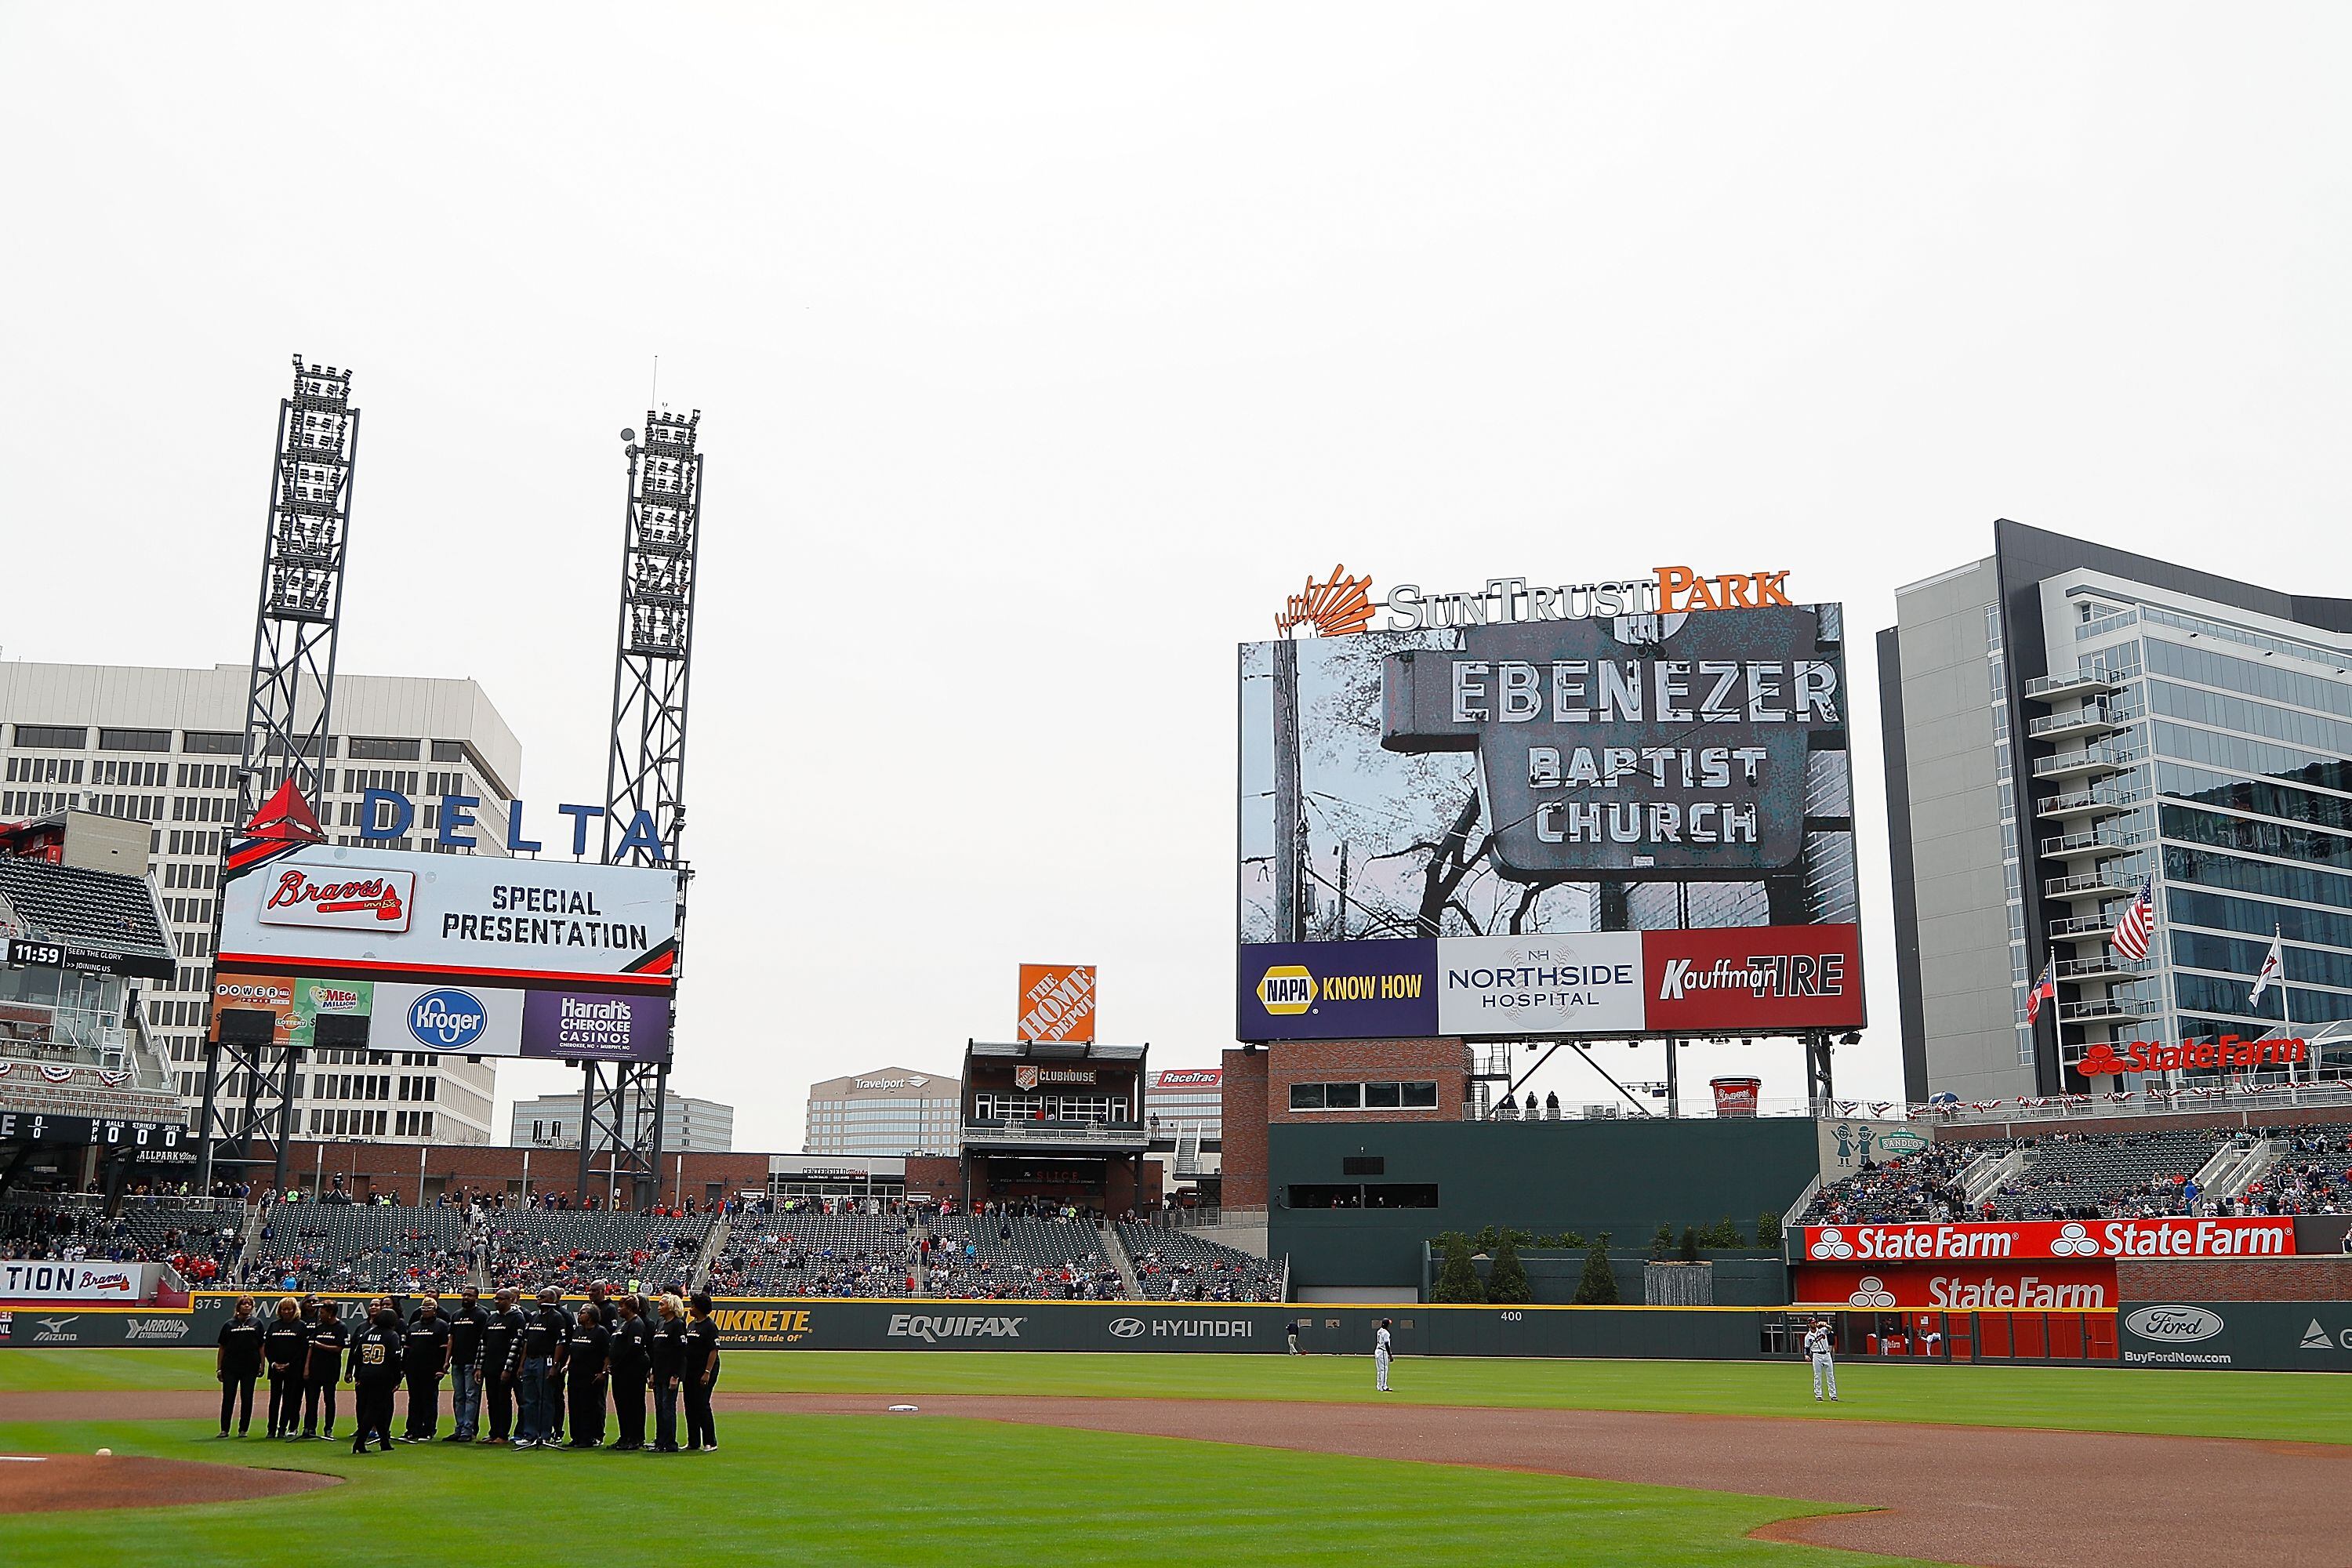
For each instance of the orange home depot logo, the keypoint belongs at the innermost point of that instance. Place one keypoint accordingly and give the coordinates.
(1057, 1002)
(1334, 607)
(1682, 590)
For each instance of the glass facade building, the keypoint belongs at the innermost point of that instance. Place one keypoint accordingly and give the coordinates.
(2142, 726)
(889, 1112)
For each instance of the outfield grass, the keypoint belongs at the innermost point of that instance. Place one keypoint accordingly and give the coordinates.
(2307, 1406)
(880, 1488)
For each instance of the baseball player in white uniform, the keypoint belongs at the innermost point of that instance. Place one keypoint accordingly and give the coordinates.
(1819, 1340)
(1380, 1356)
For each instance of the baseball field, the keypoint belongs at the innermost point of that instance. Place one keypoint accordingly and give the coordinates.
(1019, 1457)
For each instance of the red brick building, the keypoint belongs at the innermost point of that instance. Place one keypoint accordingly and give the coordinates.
(1332, 1080)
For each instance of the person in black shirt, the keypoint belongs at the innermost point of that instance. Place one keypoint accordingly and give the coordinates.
(236, 1363)
(324, 1370)
(468, 1326)
(424, 1351)
(584, 1372)
(667, 1353)
(375, 1371)
(700, 1374)
(285, 1346)
(497, 1366)
(599, 1297)
(629, 1365)
(538, 1363)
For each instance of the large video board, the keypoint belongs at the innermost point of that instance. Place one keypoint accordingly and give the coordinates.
(1545, 824)
(465, 955)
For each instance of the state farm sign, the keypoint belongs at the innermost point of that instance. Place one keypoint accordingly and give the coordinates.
(2050, 1238)
(1960, 1287)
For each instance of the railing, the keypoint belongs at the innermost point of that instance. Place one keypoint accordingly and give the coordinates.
(2105, 796)
(2241, 1097)
(2075, 843)
(2118, 1009)
(2088, 884)
(1001, 1130)
(2115, 757)
(2081, 925)
(2090, 716)
(2089, 675)
(2091, 968)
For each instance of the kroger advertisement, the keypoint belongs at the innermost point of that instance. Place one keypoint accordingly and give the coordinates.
(365, 914)
(1586, 984)
(1517, 768)
(468, 1019)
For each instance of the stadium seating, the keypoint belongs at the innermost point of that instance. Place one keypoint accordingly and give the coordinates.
(1178, 1265)
(2097, 1175)
(808, 1253)
(1024, 1258)
(361, 1247)
(571, 1249)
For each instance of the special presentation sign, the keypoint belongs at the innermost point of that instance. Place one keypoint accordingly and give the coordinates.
(327, 909)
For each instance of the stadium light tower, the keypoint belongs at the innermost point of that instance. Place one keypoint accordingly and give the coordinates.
(645, 770)
(286, 724)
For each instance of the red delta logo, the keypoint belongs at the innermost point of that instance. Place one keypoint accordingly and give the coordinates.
(2104, 1058)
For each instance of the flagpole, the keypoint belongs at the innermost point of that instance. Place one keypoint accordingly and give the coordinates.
(2286, 1023)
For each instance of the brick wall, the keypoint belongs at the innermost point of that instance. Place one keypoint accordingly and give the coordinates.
(395, 1169)
(1349, 1061)
(2237, 1280)
(1244, 1113)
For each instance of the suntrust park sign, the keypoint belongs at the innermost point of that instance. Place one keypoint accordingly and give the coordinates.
(1339, 605)
(2271, 1237)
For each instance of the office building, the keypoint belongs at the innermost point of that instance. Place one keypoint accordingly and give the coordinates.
(2066, 723)
(1189, 1099)
(161, 746)
(689, 1126)
(890, 1112)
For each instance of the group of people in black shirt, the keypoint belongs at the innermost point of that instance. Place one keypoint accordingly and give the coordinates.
(521, 1363)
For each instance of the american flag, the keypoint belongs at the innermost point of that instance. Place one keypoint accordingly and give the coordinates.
(2044, 989)
(2132, 930)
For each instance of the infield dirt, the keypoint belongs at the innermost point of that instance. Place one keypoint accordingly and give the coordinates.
(50, 1482)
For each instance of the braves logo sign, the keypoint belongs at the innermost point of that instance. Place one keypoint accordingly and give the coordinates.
(381, 900)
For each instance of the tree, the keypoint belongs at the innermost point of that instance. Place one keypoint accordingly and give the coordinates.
(1598, 1287)
(1663, 1244)
(1506, 1281)
(1725, 1234)
(1457, 1277)
(1767, 1230)
(1690, 1243)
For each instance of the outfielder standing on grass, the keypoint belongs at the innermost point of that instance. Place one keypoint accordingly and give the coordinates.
(1381, 1343)
(1818, 1343)
(237, 1363)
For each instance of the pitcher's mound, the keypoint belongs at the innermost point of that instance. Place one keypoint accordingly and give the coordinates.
(43, 1483)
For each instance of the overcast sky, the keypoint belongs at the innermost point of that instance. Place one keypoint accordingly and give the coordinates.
(1042, 350)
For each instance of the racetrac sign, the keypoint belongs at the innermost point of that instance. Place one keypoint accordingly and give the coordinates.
(2000, 1241)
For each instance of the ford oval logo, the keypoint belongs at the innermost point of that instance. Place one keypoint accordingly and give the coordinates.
(2173, 1325)
(1126, 1328)
(447, 1019)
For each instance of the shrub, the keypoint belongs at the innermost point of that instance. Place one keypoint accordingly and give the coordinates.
(1663, 1244)
(1457, 1277)
(1598, 1287)
(1690, 1243)
(1768, 1229)
(1506, 1281)
(1725, 1234)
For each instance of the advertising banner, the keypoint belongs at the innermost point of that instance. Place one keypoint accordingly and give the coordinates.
(472, 1020)
(91, 1283)
(2258, 1336)
(1587, 983)
(1754, 977)
(1852, 1142)
(570, 1026)
(1338, 990)
(1189, 1078)
(1999, 1240)
(1058, 1003)
(350, 912)
(1981, 1287)
(295, 1002)
(1735, 1095)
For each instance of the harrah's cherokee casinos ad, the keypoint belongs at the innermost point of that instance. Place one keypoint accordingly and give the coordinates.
(1548, 787)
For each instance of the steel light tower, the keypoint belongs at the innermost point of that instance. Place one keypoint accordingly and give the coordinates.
(645, 770)
(286, 724)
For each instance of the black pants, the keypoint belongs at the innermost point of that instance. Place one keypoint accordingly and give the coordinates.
(318, 1399)
(236, 1386)
(500, 1393)
(587, 1411)
(424, 1401)
(374, 1412)
(699, 1432)
(629, 1409)
(285, 1400)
